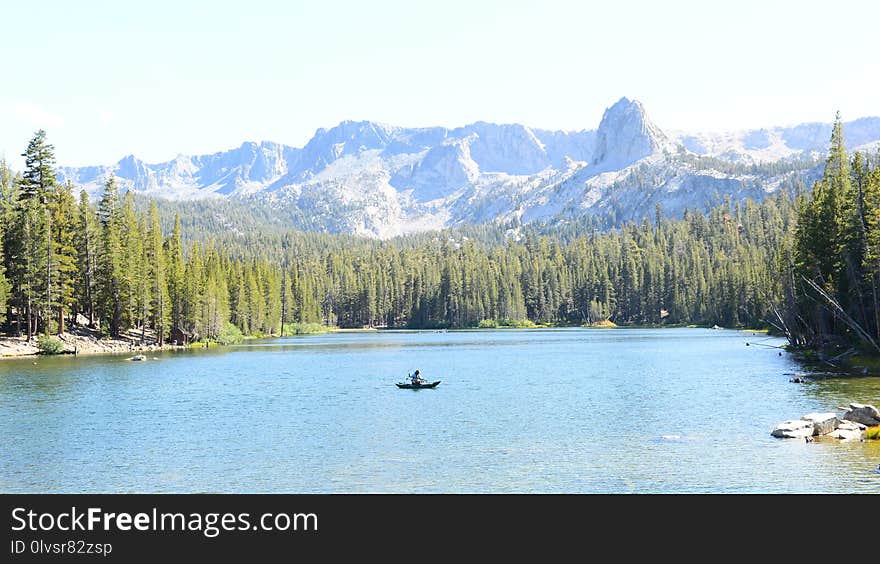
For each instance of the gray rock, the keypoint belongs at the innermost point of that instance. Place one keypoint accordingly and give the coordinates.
(626, 135)
(823, 423)
(864, 414)
(852, 425)
(847, 431)
(796, 429)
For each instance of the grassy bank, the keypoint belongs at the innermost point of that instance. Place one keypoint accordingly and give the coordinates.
(508, 324)
(604, 324)
(232, 335)
(294, 329)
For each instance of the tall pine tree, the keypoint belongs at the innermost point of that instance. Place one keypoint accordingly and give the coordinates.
(63, 226)
(111, 262)
(88, 239)
(156, 276)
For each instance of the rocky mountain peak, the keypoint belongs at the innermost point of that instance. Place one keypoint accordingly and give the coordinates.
(626, 135)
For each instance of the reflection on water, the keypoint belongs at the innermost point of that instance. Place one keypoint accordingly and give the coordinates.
(568, 410)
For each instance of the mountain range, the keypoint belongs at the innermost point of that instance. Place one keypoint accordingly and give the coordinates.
(379, 180)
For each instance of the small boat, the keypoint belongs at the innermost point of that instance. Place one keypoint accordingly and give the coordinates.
(417, 386)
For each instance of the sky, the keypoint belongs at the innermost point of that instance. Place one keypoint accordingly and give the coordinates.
(156, 79)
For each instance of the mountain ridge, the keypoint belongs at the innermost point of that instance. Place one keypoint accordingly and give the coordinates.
(381, 180)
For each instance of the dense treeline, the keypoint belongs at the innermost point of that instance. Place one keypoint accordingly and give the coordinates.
(124, 265)
(832, 287)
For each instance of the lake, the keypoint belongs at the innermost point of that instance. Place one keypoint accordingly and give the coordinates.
(547, 410)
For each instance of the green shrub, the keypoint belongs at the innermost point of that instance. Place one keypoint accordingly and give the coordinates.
(304, 329)
(230, 335)
(873, 433)
(604, 324)
(517, 323)
(49, 345)
(507, 323)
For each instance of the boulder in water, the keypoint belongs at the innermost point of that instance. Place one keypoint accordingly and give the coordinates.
(796, 429)
(864, 414)
(823, 423)
(848, 431)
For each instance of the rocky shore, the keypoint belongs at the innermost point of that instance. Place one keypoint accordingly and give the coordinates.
(82, 340)
(850, 426)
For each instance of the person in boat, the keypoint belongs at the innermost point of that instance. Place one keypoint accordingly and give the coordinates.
(416, 379)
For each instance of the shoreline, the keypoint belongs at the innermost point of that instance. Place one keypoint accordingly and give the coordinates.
(84, 341)
(81, 341)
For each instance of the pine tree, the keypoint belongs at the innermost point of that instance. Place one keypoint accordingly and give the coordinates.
(193, 293)
(828, 298)
(111, 263)
(271, 288)
(143, 285)
(39, 175)
(254, 299)
(240, 314)
(215, 304)
(133, 287)
(30, 248)
(155, 261)
(286, 299)
(871, 261)
(174, 255)
(29, 261)
(7, 218)
(64, 255)
(4, 284)
(88, 238)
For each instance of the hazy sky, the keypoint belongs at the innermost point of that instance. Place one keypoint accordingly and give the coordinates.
(157, 78)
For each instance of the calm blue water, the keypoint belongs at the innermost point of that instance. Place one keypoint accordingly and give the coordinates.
(567, 410)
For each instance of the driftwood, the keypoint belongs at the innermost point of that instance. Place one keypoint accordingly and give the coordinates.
(839, 312)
